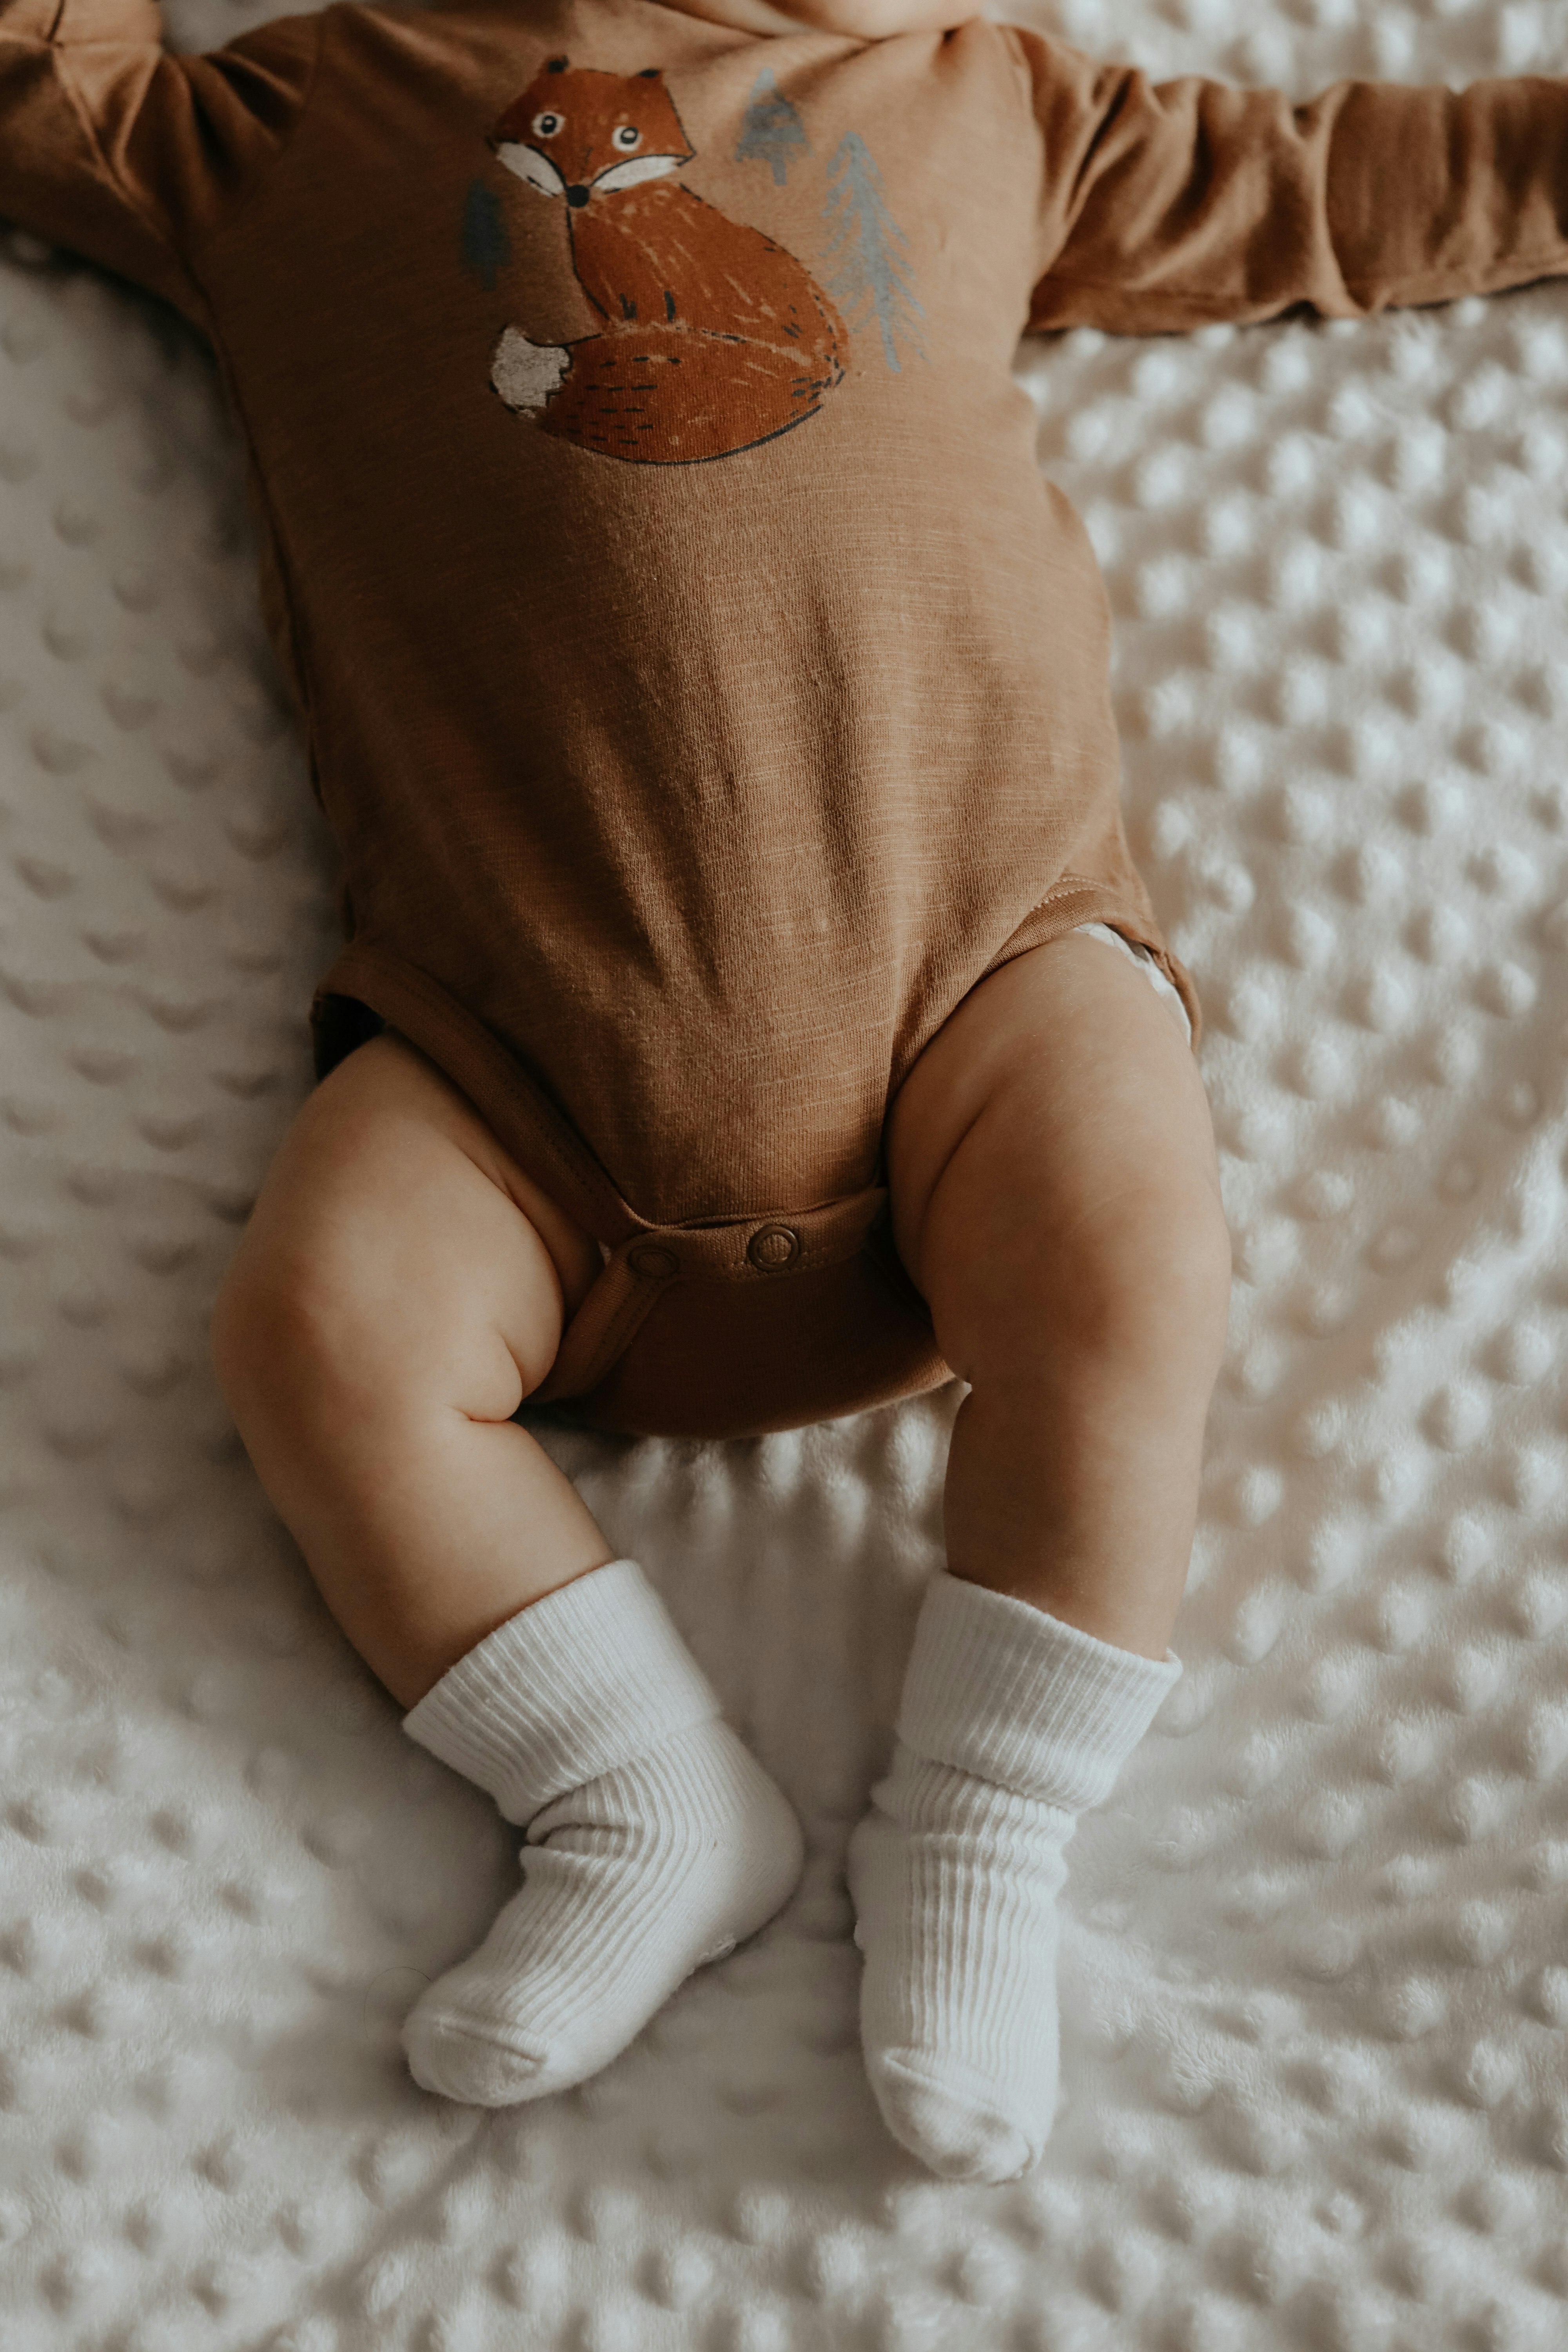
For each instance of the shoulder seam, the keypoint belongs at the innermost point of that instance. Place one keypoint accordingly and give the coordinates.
(265, 179)
(61, 53)
(185, 258)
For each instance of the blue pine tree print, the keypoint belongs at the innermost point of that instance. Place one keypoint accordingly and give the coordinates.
(487, 248)
(872, 268)
(771, 127)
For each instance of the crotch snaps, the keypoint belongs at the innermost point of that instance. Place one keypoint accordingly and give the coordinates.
(639, 1269)
(773, 1248)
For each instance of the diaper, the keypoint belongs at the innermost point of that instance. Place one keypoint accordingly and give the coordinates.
(1144, 958)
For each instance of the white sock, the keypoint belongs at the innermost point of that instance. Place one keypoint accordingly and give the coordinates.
(1011, 1723)
(655, 1840)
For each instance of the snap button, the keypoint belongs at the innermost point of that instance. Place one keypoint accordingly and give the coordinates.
(772, 1247)
(649, 1259)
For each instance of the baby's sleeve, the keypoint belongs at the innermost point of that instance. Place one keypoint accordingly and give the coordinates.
(130, 156)
(1168, 205)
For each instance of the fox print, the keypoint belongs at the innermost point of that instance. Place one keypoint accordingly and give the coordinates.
(715, 339)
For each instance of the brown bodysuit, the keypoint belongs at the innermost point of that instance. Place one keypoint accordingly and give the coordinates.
(703, 686)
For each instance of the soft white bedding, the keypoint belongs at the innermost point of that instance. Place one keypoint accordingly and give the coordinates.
(1315, 1975)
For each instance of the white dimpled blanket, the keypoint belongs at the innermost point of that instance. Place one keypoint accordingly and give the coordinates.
(1315, 1970)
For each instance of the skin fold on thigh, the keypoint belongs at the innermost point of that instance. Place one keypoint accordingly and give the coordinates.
(407, 1079)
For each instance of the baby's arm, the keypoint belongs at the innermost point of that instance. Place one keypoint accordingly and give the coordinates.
(1165, 206)
(859, 20)
(130, 156)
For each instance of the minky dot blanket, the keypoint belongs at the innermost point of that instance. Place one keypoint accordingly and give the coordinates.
(1315, 1957)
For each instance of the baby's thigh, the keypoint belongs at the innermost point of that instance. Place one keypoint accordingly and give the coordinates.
(1060, 1099)
(388, 1246)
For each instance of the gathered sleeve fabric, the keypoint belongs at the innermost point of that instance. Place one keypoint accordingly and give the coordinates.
(129, 156)
(1175, 204)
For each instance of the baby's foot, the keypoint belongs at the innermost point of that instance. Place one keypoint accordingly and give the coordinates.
(630, 1882)
(955, 1883)
(654, 1839)
(1010, 1726)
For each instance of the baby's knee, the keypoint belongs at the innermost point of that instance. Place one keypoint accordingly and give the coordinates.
(1137, 1286)
(1149, 1269)
(262, 1335)
(291, 1343)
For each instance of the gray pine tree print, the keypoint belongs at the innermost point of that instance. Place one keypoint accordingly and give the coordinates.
(770, 127)
(873, 270)
(487, 247)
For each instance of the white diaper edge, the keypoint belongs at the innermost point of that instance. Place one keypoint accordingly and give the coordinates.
(1144, 958)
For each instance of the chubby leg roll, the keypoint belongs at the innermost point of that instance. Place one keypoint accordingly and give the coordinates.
(1056, 1198)
(400, 1289)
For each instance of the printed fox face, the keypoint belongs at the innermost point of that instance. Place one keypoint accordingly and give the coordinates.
(575, 130)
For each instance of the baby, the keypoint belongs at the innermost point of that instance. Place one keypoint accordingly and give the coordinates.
(750, 1010)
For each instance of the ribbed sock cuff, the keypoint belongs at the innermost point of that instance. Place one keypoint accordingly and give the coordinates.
(999, 1688)
(587, 1678)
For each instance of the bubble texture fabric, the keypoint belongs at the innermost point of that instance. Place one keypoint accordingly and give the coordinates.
(1314, 1964)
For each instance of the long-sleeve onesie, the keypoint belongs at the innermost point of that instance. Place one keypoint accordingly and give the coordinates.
(703, 685)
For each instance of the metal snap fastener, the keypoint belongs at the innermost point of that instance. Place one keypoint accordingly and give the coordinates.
(656, 1264)
(772, 1247)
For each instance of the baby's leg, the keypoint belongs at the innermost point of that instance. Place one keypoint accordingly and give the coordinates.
(390, 1304)
(392, 1301)
(1056, 1198)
